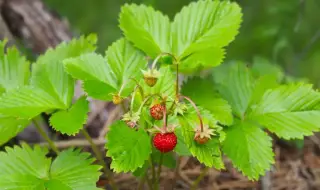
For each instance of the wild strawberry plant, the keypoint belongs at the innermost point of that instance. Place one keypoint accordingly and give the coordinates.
(226, 112)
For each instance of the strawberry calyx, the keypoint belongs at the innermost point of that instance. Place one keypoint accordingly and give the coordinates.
(203, 135)
(151, 76)
(131, 119)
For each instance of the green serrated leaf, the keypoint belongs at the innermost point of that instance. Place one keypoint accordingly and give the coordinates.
(14, 68)
(27, 102)
(48, 72)
(202, 92)
(75, 170)
(262, 66)
(71, 121)
(103, 76)
(10, 127)
(290, 111)
(249, 148)
(237, 88)
(128, 148)
(24, 168)
(146, 28)
(181, 147)
(202, 26)
(261, 85)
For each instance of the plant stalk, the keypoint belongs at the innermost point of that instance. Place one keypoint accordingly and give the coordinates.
(157, 181)
(197, 110)
(199, 178)
(46, 137)
(99, 156)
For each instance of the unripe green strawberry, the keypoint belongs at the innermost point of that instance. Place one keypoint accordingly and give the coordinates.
(165, 142)
(151, 76)
(156, 111)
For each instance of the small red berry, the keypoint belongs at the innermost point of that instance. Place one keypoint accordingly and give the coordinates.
(156, 111)
(165, 142)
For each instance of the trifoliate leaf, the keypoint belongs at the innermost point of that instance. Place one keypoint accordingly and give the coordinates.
(26, 168)
(72, 120)
(103, 76)
(205, 26)
(10, 127)
(164, 86)
(27, 102)
(290, 111)
(237, 88)
(128, 148)
(249, 148)
(14, 68)
(202, 92)
(48, 72)
(147, 29)
(208, 153)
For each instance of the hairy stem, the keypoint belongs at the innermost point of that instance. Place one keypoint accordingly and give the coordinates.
(164, 118)
(177, 81)
(99, 156)
(199, 178)
(157, 181)
(46, 137)
(197, 110)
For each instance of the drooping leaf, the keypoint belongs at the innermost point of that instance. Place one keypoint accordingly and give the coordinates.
(249, 148)
(202, 92)
(103, 76)
(128, 148)
(147, 29)
(14, 68)
(24, 168)
(72, 120)
(202, 26)
(290, 111)
(10, 127)
(27, 102)
(237, 88)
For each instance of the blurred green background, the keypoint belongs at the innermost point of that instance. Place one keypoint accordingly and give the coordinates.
(284, 32)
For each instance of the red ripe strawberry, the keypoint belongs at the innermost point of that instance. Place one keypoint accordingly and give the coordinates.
(165, 142)
(156, 111)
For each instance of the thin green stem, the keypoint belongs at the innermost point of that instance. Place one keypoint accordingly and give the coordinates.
(159, 56)
(164, 118)
(99, 156)
(142, 181)
(199, 178)
(177, 81)
(146, 100)
(149, 182)
(46, 137)
(153, 170)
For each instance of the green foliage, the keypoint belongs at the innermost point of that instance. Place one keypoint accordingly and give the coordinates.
(23, 168)
(202, 92)
(14, 68)
(103, 76)
(128, 148)
(197, 31)
(71, 121)
(208, 153)
(249, 148)
(10, 127)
